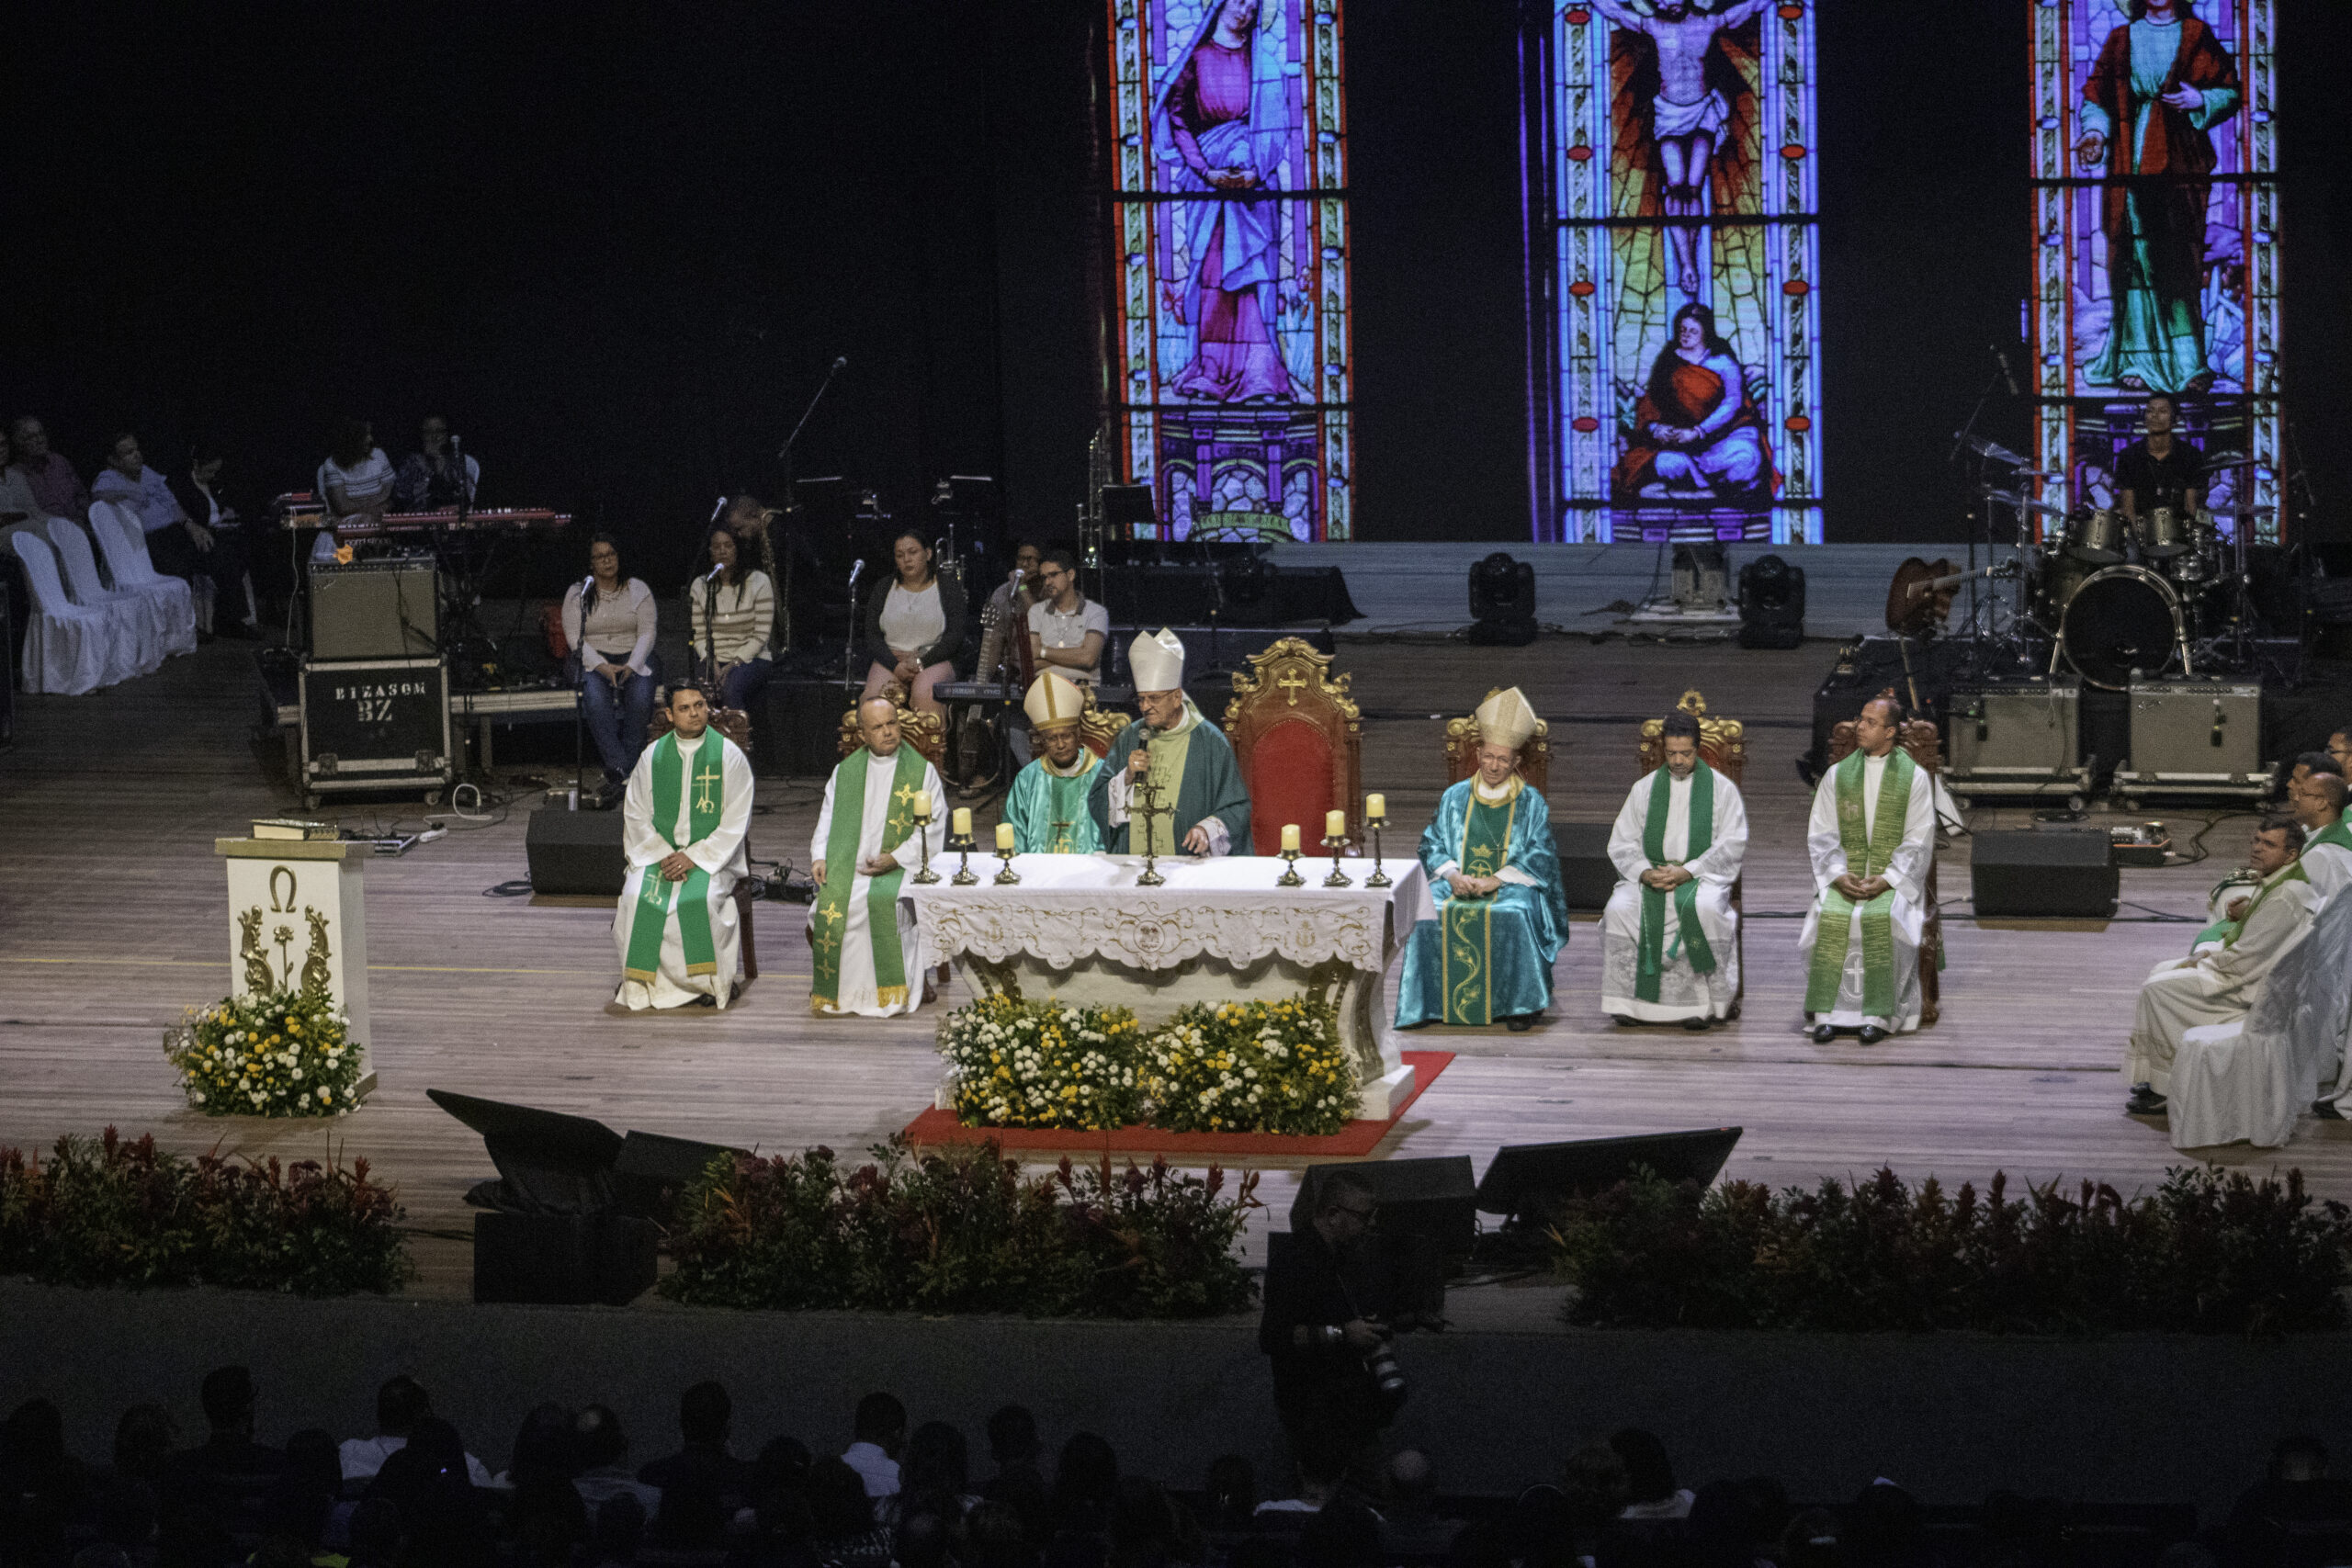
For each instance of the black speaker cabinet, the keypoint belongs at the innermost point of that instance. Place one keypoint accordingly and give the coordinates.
(1427, 1225)
(1586, 874)
(2044, 875)
(564, 1260)
(1526, 1181)
(575, 852)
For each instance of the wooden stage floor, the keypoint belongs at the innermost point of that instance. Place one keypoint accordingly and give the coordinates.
(111, 921)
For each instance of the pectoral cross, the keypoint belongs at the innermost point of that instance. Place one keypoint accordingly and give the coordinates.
(706, 775)
(1292, 684)
(1061, 835)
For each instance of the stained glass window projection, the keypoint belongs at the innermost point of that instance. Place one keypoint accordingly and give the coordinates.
(2155, 224)
(1231, 219)
(1679, 365)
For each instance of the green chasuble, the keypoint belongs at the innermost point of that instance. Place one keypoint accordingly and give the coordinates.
(1650, 963)
(689, 902)
(1197, 760)
(1867, 854)
(1484, 959)
(1048, 809)
(832, 921)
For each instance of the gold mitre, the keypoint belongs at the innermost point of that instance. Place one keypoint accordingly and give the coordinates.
(1155, 660)
(1053, 703)
(1505, 720)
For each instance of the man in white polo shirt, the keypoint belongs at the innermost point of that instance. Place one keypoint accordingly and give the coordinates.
(1067, 629)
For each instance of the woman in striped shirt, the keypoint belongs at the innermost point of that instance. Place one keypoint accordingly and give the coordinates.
(732, 607)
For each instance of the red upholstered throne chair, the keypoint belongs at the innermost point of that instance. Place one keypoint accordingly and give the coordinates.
(1298, 740)
(736, 724)
(1925, 743)
(1722, 744)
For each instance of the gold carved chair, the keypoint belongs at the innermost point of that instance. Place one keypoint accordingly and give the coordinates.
(1722, 744)
(1925, 743)
(1099, 726)
(736, 724)
(926, 732)
(1298, 741)
(1461, 752)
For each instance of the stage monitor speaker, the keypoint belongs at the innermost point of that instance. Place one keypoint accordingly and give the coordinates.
(1586, 874)
(376, 610)
(1427, 1227)
(652, 1169)
(2052, 873)
(564, 1260)
(575, 852)
(1526, 1180)
(548, 1162)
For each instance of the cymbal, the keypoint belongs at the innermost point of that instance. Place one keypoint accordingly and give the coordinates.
(1985, 448)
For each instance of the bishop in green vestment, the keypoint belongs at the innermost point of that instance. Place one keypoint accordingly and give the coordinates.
(1502, 916)
(1189, 762)
(1047, 805)
(688, 803)
(1872, 840)
(866, 951)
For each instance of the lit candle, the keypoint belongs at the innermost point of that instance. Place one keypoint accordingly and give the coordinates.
(1290, 837)
(1375, 808)
(922, 803)
(1004, 835)
(1335, 824)
(963, 821)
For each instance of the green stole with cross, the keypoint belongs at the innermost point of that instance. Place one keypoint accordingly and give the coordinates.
(1651, 964)
(2278, 879)
(658, 897)
(1868, 854)
(832, 920)
(1466, 926)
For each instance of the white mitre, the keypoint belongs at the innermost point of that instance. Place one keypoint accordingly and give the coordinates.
(1053, 703)
(1505, 720)
(1155, 659)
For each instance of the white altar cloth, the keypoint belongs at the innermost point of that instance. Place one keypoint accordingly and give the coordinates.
(1077, 928)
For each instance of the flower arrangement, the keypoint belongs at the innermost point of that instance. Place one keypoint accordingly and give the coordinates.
(273, 1054)
(961, 1229)
(1255, 1066)
(116, 1211)
(1022, 1064)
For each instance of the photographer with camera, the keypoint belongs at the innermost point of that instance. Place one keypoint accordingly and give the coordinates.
(1335, 1379)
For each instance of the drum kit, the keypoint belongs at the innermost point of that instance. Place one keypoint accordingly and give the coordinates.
(2112, 597)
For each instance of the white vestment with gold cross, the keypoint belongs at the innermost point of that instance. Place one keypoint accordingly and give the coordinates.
(714, 763)
(859, 993)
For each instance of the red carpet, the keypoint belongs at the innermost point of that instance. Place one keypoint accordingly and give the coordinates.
(1354, 1141)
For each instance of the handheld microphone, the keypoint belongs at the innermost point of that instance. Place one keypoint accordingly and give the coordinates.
(2008, 376)
(718, 510)
(854, 570)
(840, 363)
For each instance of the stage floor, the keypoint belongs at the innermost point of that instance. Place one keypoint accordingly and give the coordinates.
(112, 921)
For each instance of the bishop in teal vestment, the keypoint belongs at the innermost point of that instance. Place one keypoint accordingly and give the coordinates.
(1048, 805)
(1487, 956)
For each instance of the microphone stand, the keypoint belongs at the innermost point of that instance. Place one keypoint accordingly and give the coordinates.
(791, 510)
(849, 642)
(1983, 509)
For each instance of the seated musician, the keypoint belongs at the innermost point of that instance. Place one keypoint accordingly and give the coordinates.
(354, 483)
(731, 611)
(914, 624)
(428, 477)
(1047, 802)
(1067, 630)
(1006, 616)
(2159, 470)
(2219, 984)
(610, 621)
(689, 803)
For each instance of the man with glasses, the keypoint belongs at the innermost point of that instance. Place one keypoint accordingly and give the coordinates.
(428, 477)
(1067, 629)
(1315, 1332)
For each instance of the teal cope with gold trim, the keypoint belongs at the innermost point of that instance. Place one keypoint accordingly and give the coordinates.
(1485, 959)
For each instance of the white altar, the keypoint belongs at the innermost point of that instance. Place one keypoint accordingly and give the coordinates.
(297, 910)
(1078, 927)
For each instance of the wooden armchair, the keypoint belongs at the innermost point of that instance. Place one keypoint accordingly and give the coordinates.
(1925, 743)
(1723, 745)
(926, 732)
(736, 724)
(1461, 752)
(1298, 741)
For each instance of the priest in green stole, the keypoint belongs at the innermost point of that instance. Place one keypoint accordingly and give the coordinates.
(1187, 757)
(2217, 986)
(864, 945)
(1047, 804)
(1670, 938)
(1872, 838)
(1493, 875)
(688, 801)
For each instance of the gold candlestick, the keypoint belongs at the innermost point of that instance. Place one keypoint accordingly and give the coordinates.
(1378, 878)
(923, 833)
(965, 875)
(1149, 809)
(1335, 843)
(1008, 876)
(1290, 877)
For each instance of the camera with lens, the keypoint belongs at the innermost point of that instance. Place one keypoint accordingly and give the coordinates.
(1387, 1374)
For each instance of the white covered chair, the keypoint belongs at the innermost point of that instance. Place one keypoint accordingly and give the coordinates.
(2248, 1081)
(134, 637)
(123, 543)
(66, 647)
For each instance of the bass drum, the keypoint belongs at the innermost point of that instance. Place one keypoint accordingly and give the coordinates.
(2120, 620)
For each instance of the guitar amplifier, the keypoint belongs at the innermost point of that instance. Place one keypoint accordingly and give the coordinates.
(2016, 738)
(388, 609)
(375, 724)
(2195, 737)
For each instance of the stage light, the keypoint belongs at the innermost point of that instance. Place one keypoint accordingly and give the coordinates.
(1502, 602)
(1772, 603)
